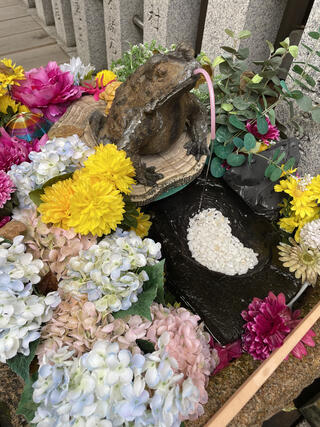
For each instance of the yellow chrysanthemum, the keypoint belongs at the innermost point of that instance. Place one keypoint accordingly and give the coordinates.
(288, 224)
(315, 188)
(5, 102)
(144, 224)
(55, 208)
(10, 74)
(23, 109)
(95, 208)
(110, 164)
(107, 77)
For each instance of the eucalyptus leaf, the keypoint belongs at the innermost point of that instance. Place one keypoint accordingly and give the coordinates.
(244, 34)
(236, 122)
(229, 32)
(275, 175)
(269, 169)
(276, 154)
(222, 134)
(305, 103)
(238, 142)
(280, 158)
(223, 151)
(272, 116)
(20, 364)
(262, 125)
(315, 113)
(240, 103)
(216, 169)
(285, 43)
(280, 51)
(289, 164)
(26, 406)
(293, 50)
(234, 159)
(242, 53)
(249, 141)
(229, 49)
(217, 61)
(270, 46)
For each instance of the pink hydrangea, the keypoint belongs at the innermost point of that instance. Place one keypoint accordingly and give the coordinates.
(14, 151)
(268, 322)
(4, 220)
(48, 90)
(273, 133)
(188, 344)
(54, 246)
(6, 188)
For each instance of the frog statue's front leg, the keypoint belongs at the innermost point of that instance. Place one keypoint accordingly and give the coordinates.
(198, 127)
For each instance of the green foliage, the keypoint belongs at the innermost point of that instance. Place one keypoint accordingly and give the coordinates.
(20, 364)
(9, 205)
(6, 117)
(152, 289)
(130, 215)
(145, 346)
(26, 406)
(137, 55)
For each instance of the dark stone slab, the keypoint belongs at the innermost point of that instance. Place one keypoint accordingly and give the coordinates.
(217, 298)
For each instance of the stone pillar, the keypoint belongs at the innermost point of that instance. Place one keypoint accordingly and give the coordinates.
(262, 18)
(89, 31)
(171, 21)
(63, 21)
(45, 12)
(121, 32)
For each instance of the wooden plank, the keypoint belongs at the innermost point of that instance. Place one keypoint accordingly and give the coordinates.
(4, 3)
(238, 400)
(11, 12)
(19, 25)
(40, 56)
(19, 42)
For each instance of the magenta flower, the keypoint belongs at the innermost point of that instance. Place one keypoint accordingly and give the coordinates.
(14, 151)
(273, 133)
(6, 188)
(4, 220)
(269, 321)
(227, 353)
(48, 90)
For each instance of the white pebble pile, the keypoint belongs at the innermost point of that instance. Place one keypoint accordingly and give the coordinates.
(212, 244)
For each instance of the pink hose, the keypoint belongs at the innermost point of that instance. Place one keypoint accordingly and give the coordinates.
(211, 94)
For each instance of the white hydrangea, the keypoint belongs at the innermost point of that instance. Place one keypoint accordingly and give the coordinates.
(310, 234)
(56, 157)
(77, 68)
(111, 387)
(111, 272)
(21, 313)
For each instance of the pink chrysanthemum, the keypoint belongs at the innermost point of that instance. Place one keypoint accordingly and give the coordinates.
(268, 322)
(273, 133)
(188, 344)
(14, 151)
(6, 188)
(4, 220)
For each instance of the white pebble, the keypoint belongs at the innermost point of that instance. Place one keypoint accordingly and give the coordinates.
(212, 244)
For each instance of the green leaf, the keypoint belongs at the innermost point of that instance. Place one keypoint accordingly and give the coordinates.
(256, 79)
(281, 157)
(229, 32)
(217, 61)
(276, 154)
(301, 84)
(222, 134)
(242, 53)
(275, 175)
(262, 125)
(240, 103)
(20, 364)
(315, 113)
(314, 35)
(284, 86)
(270, 46)
(151, 289)
(238, 142)
(289, 164)
(296, 94)
(310, 80)
(236, 159)
(229, 49)
(35, 195)
(275, 80)
(314, 67)
(272, 116)
(297, 69)
(307, 47)
(280, 51)
(234, 121)
(285, 42)
(305, 103)
(269, 169)
(249, 141)
(227, 107)
(244, 34)
(223, 151)
(216, 169)
(26, 406)
(145, 346)
(294, 51)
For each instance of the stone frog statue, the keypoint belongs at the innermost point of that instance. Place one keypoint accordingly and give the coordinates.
(152, 108)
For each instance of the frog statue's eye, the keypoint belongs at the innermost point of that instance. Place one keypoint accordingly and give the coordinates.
(161, 71)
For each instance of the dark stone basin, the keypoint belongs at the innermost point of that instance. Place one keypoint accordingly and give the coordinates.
(218, 298)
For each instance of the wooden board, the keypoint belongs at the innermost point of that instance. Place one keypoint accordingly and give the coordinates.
(12, 12)
(6, 3)
(27, 41)
(23, 24)
(39, 56)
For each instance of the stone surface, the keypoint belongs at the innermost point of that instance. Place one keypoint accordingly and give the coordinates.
(89, 31)
(29, 3)
(171, 21)
(63, 21)
(45, 12)
(121, 32)
(218, 299)
(262, 18)
(12, 229)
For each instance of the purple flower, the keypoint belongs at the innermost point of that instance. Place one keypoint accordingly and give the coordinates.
(6, 188)
(48, 90)
(226, 354)
(268, 322)
(273, 133)
(4, 220)
(14, 151)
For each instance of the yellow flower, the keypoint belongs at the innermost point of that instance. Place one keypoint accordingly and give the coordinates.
(55, 208)
(315, 187)
(110, 164)
(23, 109)
(288, 172)
(10, 74)
(288, 224)
(144, 224)
(95, 208)
(107, 77)
(5, 102)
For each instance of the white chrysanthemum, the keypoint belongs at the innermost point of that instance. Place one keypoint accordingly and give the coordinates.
(56, 157)
(21, 313)
(107, 272)
(310, 234)
(77, 68)
(109, 387)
